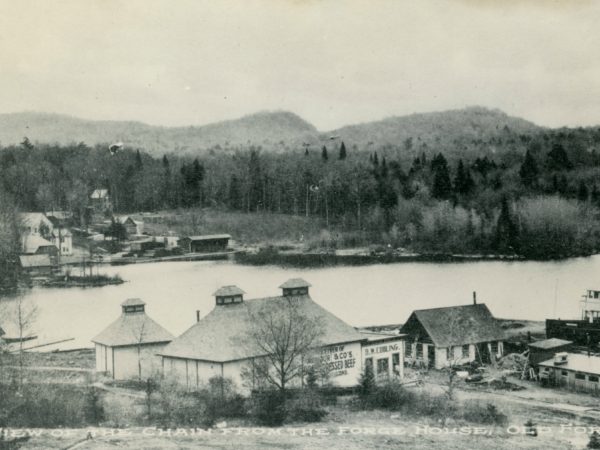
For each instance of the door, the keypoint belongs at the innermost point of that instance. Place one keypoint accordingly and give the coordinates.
(431, 356)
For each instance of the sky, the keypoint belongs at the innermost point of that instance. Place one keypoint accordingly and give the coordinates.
(180, 62)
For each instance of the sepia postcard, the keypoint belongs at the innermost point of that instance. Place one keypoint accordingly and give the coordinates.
(299, 224)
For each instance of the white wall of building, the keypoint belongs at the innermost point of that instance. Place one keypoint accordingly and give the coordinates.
(125, 361)
(387, 358)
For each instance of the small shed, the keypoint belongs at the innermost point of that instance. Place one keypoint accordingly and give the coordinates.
(205, 244)
(36, 264)
(127, 348)
(543, 350)
(37, 245)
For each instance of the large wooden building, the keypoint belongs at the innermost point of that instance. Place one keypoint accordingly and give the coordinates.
(128, 347)
(217, 344)
(450, 336)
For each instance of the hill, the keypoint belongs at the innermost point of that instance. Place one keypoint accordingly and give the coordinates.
(460, 127)
(263, 128)
(280, 130)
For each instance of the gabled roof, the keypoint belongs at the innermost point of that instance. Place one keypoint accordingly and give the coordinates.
(295, 283)
(548, 344)
(133, 329)
(33, 219)
(227, 291)
(220, 335)
(31, 243)
(458, 325)
(32, 261)
(124, 219)
(207, 237)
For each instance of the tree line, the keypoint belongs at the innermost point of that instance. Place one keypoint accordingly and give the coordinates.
(404, 196)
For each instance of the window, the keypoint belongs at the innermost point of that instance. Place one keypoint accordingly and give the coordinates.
(448, 353)
(383, 366)
(465, 351)
(396, 363)
(579, 376)
(408, 350)
(419, 350)
(564, 373)
(593, 378)
(369, 363)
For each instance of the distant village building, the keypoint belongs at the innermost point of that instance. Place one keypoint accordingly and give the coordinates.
(63, 240)
(216, 344)
(128, 347)
(35, 223)
(574, 370)
(132, 226)
(37, 265)
(205, 244)
(442, 337)
(100, 200)
(60, 218)
(384, 353)
(34, 244)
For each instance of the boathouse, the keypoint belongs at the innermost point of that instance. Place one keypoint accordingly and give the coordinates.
(573, 370)
(450, 336)
(127, 348)
(205, 244)
(217, 345)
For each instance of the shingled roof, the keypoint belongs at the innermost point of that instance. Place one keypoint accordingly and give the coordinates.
(128, 329)
(219, 336)
(457, 325)
(295, 283)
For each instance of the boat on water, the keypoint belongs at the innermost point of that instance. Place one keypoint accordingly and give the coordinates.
(582, 331)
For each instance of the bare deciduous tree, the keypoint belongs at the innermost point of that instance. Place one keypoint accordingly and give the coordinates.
(24, 316)
(285, 338)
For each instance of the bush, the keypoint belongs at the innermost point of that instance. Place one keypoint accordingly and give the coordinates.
(306, 407)
(221, 400)
(268, 407)
(488, 414)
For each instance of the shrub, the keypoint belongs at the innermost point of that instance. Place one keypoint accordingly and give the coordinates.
(488, 414)
(306, 407)
(268, 407)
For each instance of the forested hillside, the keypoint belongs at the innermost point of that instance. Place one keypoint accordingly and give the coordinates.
(470, 131)
(537, 197)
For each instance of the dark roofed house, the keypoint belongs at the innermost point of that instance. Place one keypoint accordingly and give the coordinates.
(215, 345)
(205, 244)
(127, 348)
(442, 337)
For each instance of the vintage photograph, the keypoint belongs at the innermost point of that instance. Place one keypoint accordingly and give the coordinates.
(299, 224)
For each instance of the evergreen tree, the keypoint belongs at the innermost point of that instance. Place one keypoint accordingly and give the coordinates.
(506, 230)
(343, 151)
(306, 151)
(366, 384)
(138, 161)
(442, 186)
(594, 441)
(557, 158)
(463, 182)
(375, 159)
(529, 170)
(324, 155)
(582, 192)
(595, 196)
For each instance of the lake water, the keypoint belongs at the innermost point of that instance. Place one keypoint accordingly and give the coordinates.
(367, 295)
